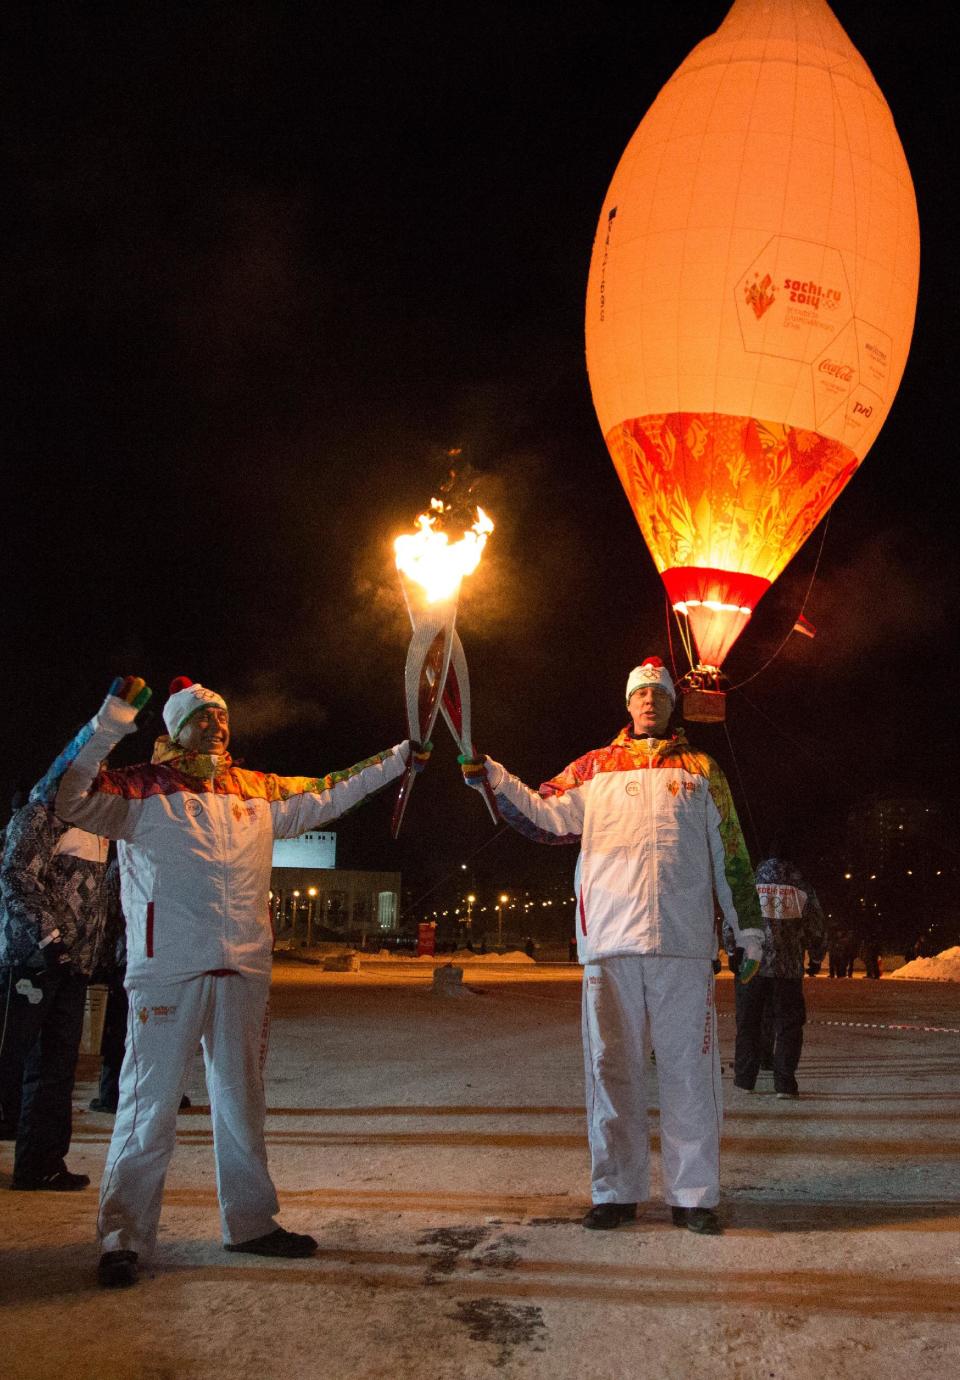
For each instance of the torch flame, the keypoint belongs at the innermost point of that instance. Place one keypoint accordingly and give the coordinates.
(433, 561)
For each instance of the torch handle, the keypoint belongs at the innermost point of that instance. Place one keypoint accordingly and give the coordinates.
(455, 707)
(425, 674)
(403, 796)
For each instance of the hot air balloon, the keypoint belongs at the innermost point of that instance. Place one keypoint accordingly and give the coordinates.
(750, 305)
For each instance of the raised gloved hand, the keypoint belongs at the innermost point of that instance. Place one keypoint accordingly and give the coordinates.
(474, 770)
(419, 755)
(125, 698)
(752, 953)
(812, 969)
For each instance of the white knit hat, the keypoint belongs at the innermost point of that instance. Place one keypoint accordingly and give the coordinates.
(651, 672)
(185, 699)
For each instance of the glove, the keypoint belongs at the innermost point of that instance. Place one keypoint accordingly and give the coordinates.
(419, 755)
(752, 953)
(125, 698)
(474, 770)
(734, 960)
(813, 969)
(54, 951)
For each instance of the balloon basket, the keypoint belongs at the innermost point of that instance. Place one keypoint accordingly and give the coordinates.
(704, 706)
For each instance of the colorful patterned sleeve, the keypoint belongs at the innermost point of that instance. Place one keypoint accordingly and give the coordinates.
(299, 803)
(733, 877)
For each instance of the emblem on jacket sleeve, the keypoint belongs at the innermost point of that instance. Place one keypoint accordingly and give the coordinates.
(26, 989)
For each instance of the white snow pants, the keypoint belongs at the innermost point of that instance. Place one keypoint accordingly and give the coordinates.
(227, 1016)
(623, 996)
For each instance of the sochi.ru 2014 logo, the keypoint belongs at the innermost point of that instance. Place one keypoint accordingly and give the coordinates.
(807, 293)
(760, 294)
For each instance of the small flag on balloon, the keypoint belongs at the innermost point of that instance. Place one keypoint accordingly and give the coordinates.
(803, 625)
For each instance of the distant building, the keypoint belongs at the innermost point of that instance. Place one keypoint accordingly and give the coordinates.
(309, 896)
(311, 850)
(893, 833)
(899, 870)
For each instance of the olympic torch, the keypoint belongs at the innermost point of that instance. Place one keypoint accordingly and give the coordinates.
(431, 569)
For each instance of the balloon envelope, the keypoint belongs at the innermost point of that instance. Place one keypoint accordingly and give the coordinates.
(750, 302)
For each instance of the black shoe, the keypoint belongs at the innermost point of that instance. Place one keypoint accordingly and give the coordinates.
(61, 1182)
(117, 1269)
(704, 1221)
(290, 1245)
(606, 1216)
(98, 1105)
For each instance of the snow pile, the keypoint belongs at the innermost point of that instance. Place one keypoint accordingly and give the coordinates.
(515, 956)
(945, 967)
(461, 956)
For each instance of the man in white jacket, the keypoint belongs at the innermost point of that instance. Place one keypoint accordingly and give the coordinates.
(195, 846)
(660, 842)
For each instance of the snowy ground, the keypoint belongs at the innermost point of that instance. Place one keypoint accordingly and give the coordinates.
(435, 1145)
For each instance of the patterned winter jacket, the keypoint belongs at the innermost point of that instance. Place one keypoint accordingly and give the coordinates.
(792, 919)
(51, 878)
(196, 842)
(659, 837)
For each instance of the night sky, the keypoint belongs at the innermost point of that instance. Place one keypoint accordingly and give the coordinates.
(267, 263)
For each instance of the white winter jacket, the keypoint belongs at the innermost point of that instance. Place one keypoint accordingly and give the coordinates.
(196, 849)
(660, 841)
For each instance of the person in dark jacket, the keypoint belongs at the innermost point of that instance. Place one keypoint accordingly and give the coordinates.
(51, 893)
(793, 924)
(11, 1065)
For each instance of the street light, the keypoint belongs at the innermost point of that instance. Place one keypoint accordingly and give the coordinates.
(502, 902)
(470, 900)
(312, 893)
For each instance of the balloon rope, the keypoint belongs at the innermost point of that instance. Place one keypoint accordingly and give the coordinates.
(743, 790)
(669, 634)
(668, 611)
(813, 576)
(682, 630)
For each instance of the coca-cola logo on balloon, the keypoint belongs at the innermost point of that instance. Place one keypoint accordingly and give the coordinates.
(843, 372)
